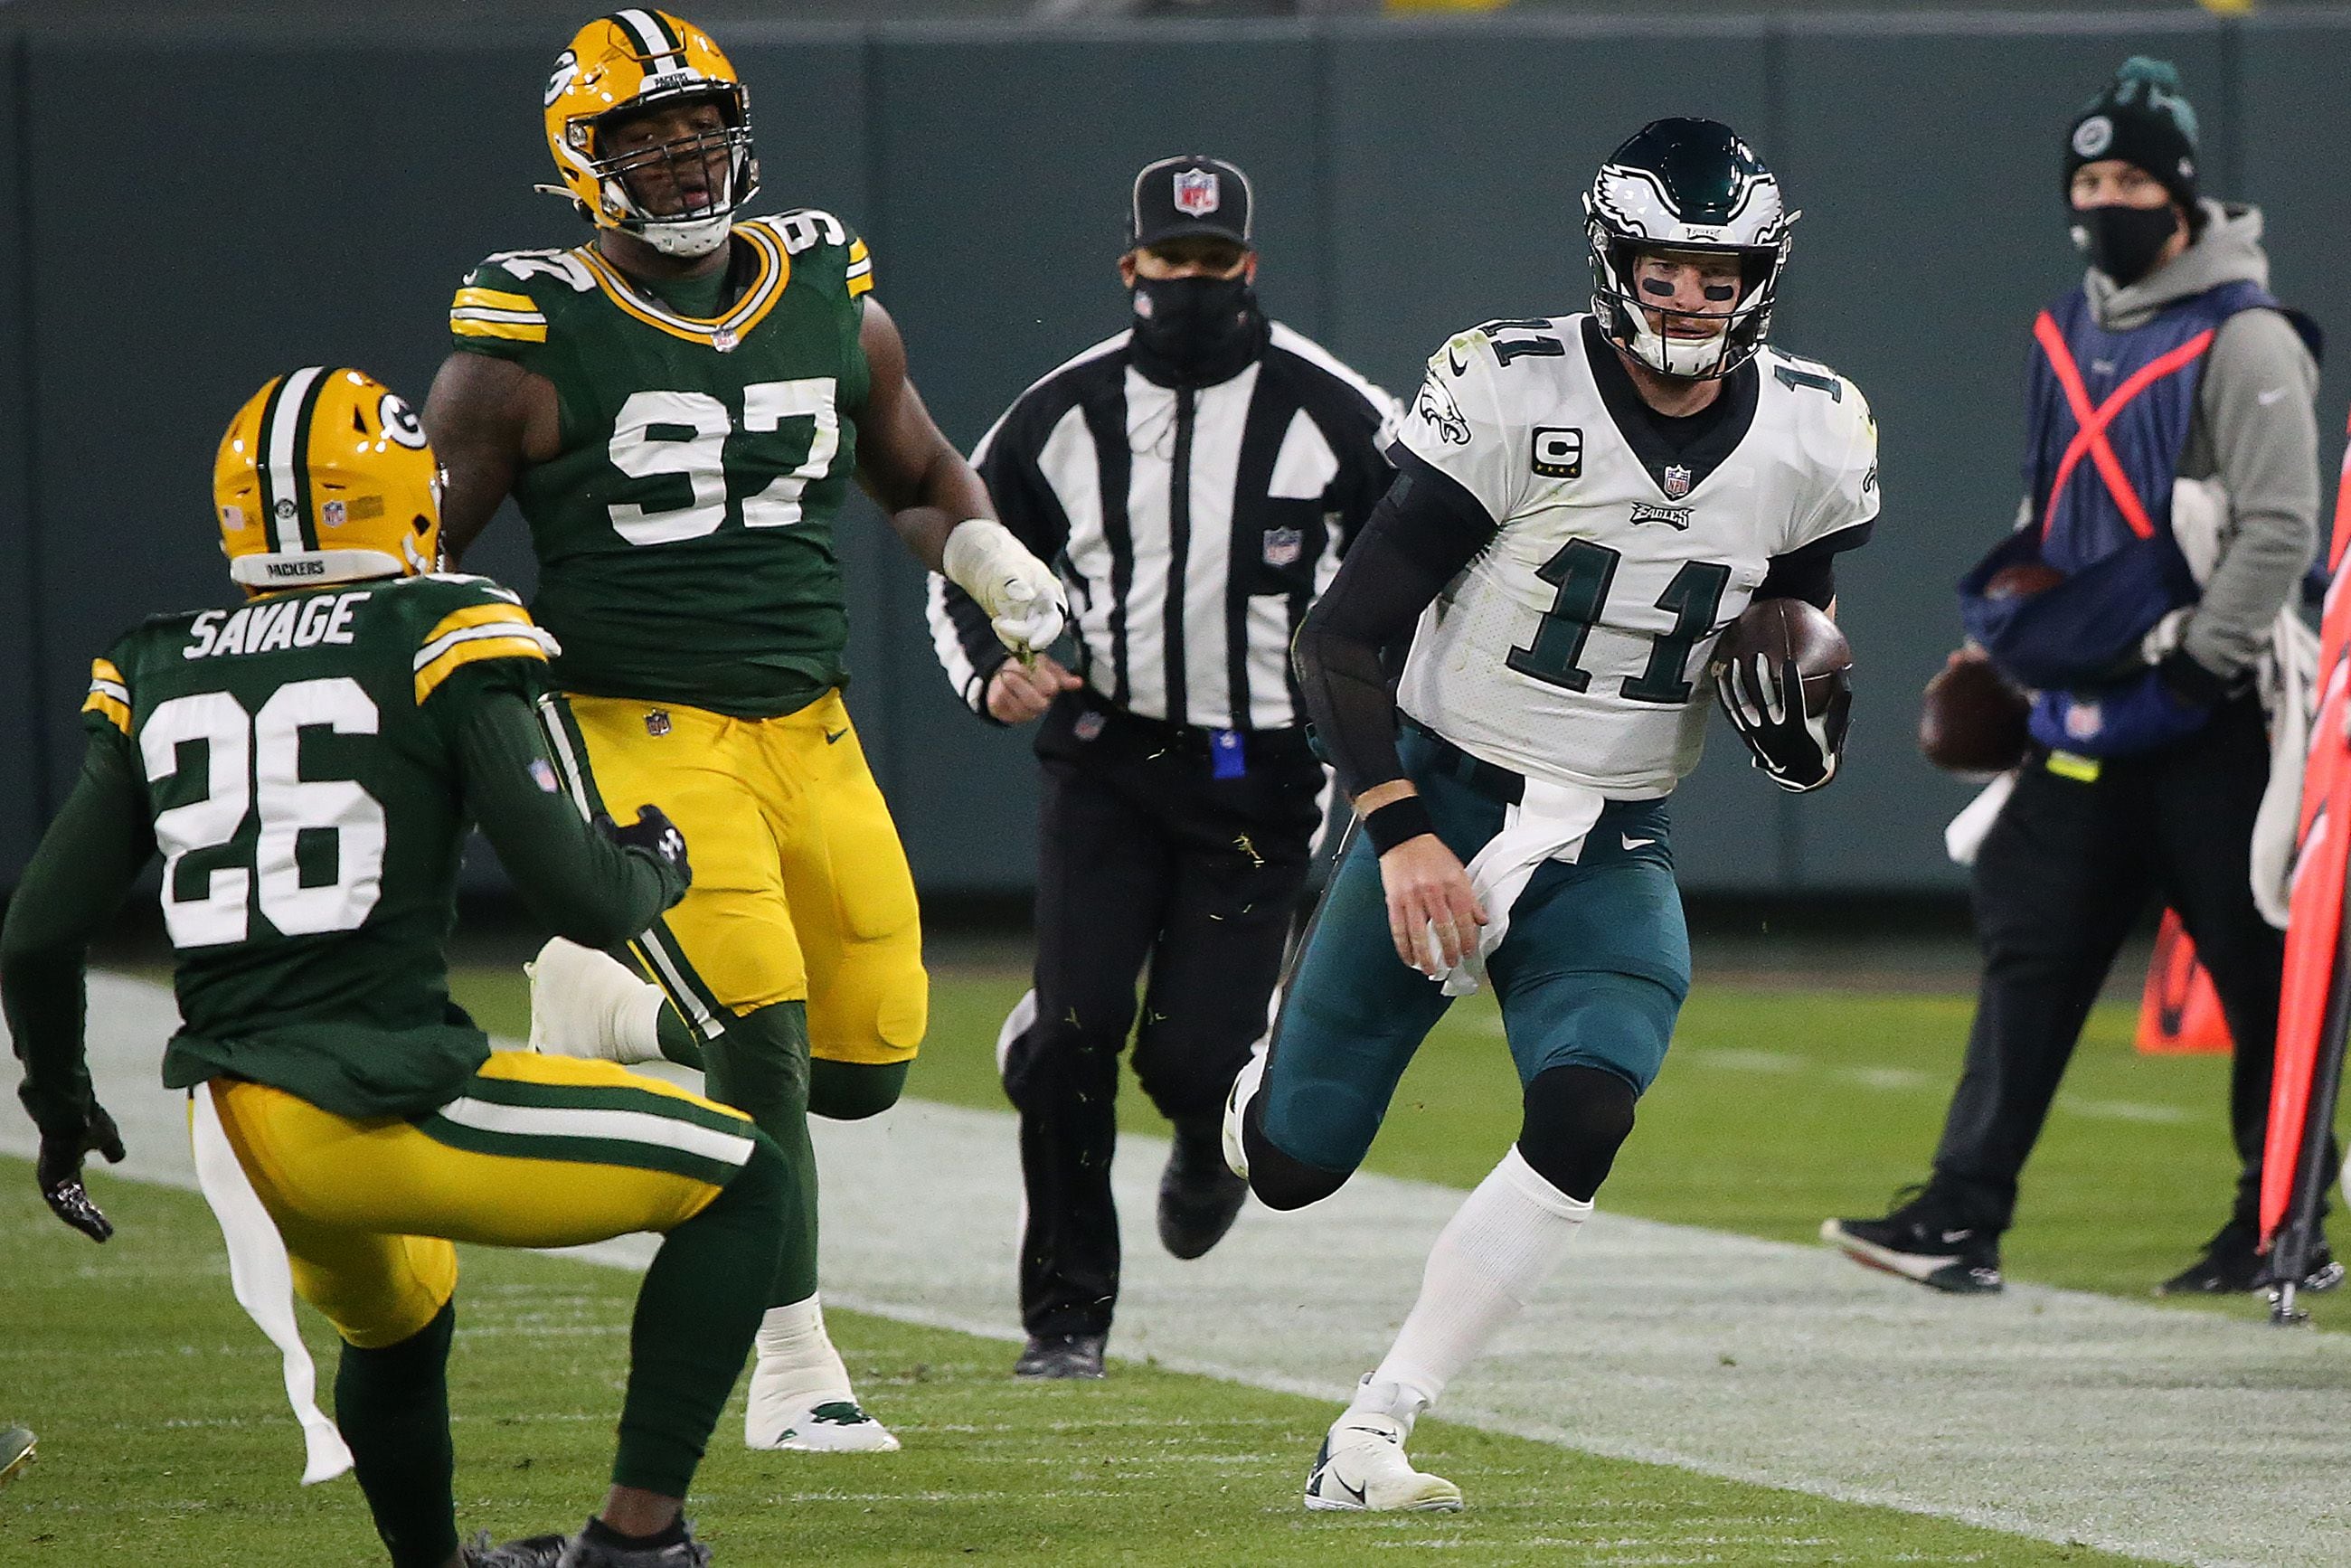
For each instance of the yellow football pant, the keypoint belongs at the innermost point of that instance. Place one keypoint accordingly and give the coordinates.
(540, 1151)
(800, 887)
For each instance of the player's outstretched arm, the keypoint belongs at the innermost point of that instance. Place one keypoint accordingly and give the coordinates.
(596, 883)
(485, 419)
(939, 505)
(79, 877)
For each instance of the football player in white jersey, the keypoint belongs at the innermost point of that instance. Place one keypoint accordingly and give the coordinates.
(1584, 502)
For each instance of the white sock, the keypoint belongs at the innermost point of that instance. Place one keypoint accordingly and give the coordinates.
(1491, 1257)
(797, 1364)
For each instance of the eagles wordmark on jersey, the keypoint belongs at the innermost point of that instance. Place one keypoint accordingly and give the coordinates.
(704, 463)
(1575, 647)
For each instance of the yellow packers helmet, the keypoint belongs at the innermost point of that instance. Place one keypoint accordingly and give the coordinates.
(624, 64)
(325, 477)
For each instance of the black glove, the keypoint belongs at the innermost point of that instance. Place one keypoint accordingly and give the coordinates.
(655, 833)
(1798, 750)
(59, 1170)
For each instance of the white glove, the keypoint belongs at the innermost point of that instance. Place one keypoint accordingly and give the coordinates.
(1022, 596)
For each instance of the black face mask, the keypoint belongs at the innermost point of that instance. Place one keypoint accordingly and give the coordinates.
(2124, 242)
(1196, 332)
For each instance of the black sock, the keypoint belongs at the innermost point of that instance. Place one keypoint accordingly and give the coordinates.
(697, 1312)
(393, 1405)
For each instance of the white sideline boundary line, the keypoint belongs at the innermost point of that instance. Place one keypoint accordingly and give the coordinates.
(2174, 1435)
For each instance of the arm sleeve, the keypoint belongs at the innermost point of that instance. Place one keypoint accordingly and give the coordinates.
(584, 886)
(1006, 460)
(1420, 535)
(2256, 402)
(79, 877)
(1809, 574)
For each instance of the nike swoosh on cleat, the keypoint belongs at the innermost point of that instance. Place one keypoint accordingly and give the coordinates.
(1633, 844)
(1952, 1238)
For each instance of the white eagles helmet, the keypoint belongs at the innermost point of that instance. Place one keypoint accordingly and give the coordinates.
(1686, 186)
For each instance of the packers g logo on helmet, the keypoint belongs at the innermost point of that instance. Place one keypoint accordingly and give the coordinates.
(325, 477)
(629, 61)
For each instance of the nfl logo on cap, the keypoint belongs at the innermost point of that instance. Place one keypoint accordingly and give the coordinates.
(1196, 191)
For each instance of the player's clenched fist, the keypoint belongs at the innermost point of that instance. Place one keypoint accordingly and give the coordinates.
(1023, 597)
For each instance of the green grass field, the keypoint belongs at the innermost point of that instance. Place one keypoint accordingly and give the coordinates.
(1776, 1110)
(164, 1438)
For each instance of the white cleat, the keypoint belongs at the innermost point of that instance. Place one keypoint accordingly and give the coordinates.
(1244, 1089)
(587, 1003)
(1362, 1469)
(831, 1426)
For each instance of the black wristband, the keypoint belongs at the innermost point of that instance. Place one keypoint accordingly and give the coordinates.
(1396, 821)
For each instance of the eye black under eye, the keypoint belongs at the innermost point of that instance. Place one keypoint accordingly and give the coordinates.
(1719, 291)
(1657, 286)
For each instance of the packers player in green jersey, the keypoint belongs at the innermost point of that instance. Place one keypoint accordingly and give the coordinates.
(306, 765)
(679, 407)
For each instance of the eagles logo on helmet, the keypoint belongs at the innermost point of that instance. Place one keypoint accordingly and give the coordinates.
(1690, 187)
(626, 63)
(324, 477)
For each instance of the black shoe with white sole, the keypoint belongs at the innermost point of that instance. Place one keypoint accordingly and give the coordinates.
(1926, 1239)
(2232, 1266)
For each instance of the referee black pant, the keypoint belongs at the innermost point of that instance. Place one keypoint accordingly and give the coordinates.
(2067, 871)
(1145, 858)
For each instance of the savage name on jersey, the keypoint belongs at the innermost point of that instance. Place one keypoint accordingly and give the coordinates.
(1575, 647)
(297, 754)
(703, 465)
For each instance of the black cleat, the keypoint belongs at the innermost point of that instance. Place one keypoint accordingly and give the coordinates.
(583, 1550)
(2231, 1267)
(537, 1552)
(1199, 1196)
(1925, 1239)
(1061, 1356)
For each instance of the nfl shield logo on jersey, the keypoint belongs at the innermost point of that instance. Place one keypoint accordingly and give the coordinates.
(1284, 546)
(1677, 483)
(1196, 191)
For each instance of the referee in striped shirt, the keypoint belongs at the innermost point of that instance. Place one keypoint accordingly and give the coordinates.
(1195, 479)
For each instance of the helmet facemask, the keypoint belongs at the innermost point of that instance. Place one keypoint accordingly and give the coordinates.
(1639, 322)
(673, 165)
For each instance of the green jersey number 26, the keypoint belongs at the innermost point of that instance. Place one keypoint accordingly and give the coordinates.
(256, 761)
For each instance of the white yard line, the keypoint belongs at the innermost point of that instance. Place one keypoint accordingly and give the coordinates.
(2054, 1413)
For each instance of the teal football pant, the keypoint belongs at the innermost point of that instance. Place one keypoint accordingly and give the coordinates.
(1591, 974)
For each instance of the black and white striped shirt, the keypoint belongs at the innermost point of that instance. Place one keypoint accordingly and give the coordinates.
(1194, 527)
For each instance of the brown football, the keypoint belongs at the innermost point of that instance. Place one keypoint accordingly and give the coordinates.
(1972, 720)
(2022, 581)
(1789, 629)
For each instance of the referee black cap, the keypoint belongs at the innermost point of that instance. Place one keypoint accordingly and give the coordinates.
(1176, 198)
